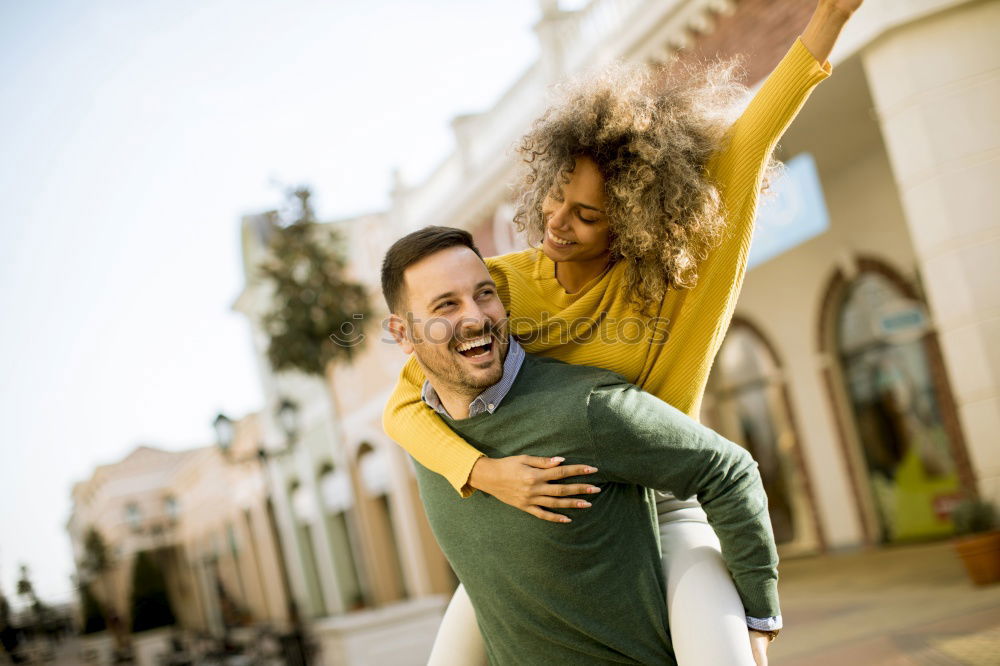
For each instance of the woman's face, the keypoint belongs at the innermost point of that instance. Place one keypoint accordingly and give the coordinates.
(576, 228)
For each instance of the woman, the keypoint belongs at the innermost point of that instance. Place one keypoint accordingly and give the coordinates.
(629, 194)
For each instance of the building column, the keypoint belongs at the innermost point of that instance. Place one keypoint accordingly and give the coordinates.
(424, 567)
(209, 594)
(936, 86)
(322, 546)
(287, 537)
(274, 570)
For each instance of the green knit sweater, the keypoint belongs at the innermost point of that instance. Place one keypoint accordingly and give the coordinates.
(592, 591)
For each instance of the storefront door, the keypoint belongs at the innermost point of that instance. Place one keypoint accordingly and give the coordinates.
(746, 403)
(882, 339)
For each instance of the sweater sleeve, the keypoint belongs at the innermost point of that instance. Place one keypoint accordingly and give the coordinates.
(700, 316)
(738, 168)
(423, 434)
(639, 439)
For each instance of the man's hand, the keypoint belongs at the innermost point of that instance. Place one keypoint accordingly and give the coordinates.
(524, 483)
(758, 646)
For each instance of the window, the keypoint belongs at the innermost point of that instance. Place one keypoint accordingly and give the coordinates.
(171, 507)
(882, 339)
(132, 515)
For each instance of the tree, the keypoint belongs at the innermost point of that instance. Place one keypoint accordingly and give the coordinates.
(317, 311)
(4, 611)
(96, 559)
(10, 638)
(25, 589)
(150, 604)
(93, 568)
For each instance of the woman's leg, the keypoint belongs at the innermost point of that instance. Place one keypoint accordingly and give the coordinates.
(707, 623)
(458, 641)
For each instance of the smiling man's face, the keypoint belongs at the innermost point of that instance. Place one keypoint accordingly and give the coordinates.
(458, 325)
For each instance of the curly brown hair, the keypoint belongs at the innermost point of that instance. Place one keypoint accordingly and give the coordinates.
(651, 133)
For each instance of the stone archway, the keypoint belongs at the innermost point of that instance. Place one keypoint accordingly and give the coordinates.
(747, 401)
(896, 419)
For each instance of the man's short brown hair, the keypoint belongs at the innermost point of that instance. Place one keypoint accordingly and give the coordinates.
(410, 249)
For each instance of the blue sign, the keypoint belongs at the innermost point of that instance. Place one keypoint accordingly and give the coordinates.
(792, 213)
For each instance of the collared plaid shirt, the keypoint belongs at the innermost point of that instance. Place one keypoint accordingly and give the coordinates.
(490, 399)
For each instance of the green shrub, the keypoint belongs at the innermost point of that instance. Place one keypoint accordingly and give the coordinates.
(973, 516)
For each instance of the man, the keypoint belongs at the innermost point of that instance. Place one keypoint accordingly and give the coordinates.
(590, 590)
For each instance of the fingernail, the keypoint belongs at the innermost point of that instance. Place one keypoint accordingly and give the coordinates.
(590, 470)
(593, 489)
(558, 459)
(582, 504)
(566, 520)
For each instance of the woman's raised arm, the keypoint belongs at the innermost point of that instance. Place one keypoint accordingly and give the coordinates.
(825, 25)
(700, 317)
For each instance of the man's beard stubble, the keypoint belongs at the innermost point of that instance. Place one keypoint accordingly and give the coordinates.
(450, 371)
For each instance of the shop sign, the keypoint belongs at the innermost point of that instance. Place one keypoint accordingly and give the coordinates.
(903, 321)
(792, 213)
(945, 504)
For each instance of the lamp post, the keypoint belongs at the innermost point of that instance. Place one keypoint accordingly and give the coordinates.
(224, 432)
(288, 419)
(293, 644)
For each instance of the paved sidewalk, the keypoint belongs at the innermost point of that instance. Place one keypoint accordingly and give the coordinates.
(898, 606)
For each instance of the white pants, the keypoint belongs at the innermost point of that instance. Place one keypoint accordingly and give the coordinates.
(707, 623)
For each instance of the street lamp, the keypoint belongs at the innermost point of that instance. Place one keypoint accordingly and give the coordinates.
(293, 644)
(225, 431)
(288, 419)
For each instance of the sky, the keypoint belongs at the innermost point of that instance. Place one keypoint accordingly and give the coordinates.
(134, 135)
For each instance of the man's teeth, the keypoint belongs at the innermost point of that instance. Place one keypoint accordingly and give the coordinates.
(559, 241)
(478, 342)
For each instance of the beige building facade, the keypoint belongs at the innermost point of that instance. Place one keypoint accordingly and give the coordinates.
(859, 368)
(364, 570)
(201, 515)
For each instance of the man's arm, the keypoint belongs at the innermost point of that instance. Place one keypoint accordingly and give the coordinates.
(523, 482)
(638, 438)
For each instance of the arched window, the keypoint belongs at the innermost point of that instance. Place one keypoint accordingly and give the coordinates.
(882, 338)
(747, 402)
(171, 507)
(133, 516)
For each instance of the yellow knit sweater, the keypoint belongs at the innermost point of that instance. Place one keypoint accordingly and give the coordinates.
(668, 354)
